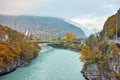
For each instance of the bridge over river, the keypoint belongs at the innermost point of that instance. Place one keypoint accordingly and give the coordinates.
(46, 41)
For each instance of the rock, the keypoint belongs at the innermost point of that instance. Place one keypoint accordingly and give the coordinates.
(11, 67)
(92, 72)
(7, 69)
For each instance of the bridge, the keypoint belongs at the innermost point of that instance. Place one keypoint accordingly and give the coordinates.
(28, 34)
(46, 41)
(33, 41)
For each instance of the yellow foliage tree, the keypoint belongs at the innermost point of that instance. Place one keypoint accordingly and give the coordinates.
(85, 53)
(97, 53)
(65, 44)
(70, 37)
(15, 47)
(111, 32)
(82, 57)
(1, 62)
(86, 50)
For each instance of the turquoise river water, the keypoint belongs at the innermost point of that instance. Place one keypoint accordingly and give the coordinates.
(51, 64)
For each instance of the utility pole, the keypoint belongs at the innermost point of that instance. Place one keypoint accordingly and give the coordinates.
(15, 25)
(116, 28)
(106, 33)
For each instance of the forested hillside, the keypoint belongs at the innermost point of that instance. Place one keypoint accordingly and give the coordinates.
(111, 24)
(14, 49)
(101, 54)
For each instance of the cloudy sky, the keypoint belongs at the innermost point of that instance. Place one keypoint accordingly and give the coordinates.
(89, 13)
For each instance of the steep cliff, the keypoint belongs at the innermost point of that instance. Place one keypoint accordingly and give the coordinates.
(101, 54)
(112, 25)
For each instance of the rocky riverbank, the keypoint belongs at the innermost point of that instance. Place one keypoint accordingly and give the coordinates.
(102, 63)
(101, 53)
(15, 50)
(18, 62)
(94, 73)
(98, 70)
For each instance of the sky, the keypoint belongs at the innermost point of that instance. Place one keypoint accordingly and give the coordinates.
(91, 14)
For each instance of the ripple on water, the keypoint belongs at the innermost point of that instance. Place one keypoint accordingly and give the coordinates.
(54, 64)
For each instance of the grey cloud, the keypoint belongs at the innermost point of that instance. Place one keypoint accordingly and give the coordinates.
(60, 8)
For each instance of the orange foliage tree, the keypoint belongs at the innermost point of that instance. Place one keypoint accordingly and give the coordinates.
(112, 32)
(70, 37)
(85, 53)
(15, 47)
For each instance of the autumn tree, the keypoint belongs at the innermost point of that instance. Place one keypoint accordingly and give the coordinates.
(70, 37)
(15, 47)
(112, 32)
(85, 53)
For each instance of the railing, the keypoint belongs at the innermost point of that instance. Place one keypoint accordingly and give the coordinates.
(115, 41)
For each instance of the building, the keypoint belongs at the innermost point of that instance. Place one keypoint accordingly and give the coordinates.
(28, 34)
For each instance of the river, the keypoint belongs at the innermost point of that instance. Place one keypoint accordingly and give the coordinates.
(51, 64)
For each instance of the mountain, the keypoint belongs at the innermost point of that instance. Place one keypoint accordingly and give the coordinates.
(41, 26)
(87, 31)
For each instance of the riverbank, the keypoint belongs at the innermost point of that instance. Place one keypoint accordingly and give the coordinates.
(97, 70)
(101, 60)
(72, 47)
(51, 64)
(60, 46)
(104, 47)
(12, 67)
(15, 50)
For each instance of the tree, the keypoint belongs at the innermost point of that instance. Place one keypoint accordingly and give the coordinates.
(85, 53)
(15, 47)
(70, 37)
(112, 32)
(82, 58)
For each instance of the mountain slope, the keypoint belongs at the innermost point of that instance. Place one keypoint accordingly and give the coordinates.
(43, 26)
(110, 25)
(87, 31)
